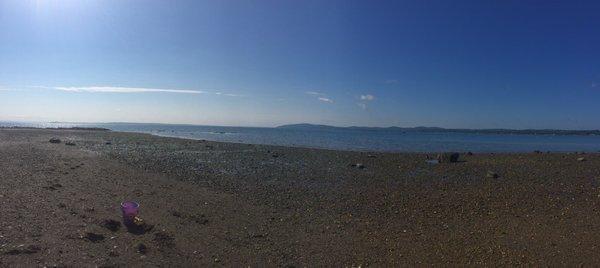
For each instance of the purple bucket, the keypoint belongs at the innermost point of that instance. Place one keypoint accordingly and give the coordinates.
(130, 210)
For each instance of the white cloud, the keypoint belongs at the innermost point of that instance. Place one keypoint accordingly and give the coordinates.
(367, 97)
(323, 99)
(228, 94)
(314, 93)
(110, 89)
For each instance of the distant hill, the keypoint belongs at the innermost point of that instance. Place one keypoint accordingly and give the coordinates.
(439, 129)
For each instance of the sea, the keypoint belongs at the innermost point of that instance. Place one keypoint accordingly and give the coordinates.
(381, 140)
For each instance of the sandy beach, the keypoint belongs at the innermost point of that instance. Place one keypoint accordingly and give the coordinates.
(226, 204)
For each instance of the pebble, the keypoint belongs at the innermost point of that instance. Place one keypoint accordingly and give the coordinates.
(491, 174)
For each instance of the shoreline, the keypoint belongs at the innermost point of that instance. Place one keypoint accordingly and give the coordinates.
(312, 147)
(225, 204)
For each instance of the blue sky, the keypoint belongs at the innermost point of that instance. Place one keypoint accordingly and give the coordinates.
(472, 64)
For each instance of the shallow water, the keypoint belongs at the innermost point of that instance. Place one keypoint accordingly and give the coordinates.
(359, 140)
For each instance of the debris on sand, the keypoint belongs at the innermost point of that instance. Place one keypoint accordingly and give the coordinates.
(581, 159)
(139, 227)
(94, 238)
(358, 165)
(70, 143)
(199, 219)
(54, 140)
(53, 187)
(492, 175)
(432, 161)
(31, 249)
(163, 239)
(448, 157)
(111, 225)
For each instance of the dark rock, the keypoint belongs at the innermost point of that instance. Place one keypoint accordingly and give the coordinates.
(492, 175)
(199, 219)
(54, 140)
(177, 214)
(141, 248)
(111, 225)
(448, 157)
(358, 165)
(92, 237)
(108, 143)
(469, 153)
(31, 249)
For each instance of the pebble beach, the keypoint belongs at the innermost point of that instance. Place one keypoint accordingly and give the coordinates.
(229, 204)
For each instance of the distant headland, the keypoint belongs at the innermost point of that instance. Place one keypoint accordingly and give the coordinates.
(305, 126)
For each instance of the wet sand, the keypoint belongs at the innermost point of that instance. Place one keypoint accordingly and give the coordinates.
(225, 204)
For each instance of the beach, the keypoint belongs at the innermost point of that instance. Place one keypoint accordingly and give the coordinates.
(228, 204)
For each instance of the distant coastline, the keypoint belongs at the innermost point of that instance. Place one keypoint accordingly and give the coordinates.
(446, 130)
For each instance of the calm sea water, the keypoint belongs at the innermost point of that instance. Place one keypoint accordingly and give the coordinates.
(359, 140)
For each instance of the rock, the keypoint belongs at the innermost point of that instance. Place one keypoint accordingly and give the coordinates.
(492, 175)
(581, 159)
(469, 153)
(142, 249)
(54, 140)
(432, 161)
(108, 143)
(448, 157)
(371, 156)
(92, 237)
(358, 165)
(177, 214)
(70, 143)
(31, 249)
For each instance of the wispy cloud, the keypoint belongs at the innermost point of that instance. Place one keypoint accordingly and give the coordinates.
(314, 93)
(320, 96)
(228, 94)
(323, 99)
(362, 105)
(367, 97)
(594, 84)
(110, 89)
(391, 81)
(130, 90)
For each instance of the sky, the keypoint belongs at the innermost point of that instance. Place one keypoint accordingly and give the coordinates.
(455, 64)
